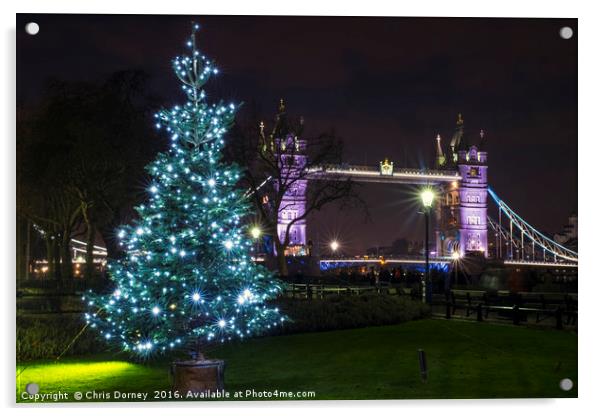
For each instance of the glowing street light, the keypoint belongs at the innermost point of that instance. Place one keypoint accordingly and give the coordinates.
(334, 245)
(255, 232)
(427, 196)
(456, 257)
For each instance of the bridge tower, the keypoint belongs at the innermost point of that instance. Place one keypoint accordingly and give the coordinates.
(472, 167)
(462, 209)
(291, 155)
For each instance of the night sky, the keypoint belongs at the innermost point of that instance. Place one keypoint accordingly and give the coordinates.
(387, 86)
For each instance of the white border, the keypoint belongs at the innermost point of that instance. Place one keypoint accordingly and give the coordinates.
(590, 153)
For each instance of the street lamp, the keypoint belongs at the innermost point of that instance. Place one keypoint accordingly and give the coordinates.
(255, 232)
(334, 245)
(427, 196)
(456, 256)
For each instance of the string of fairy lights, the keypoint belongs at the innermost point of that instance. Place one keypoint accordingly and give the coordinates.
(187, 276)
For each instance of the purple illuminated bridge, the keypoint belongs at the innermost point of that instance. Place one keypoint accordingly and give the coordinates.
(461, 222)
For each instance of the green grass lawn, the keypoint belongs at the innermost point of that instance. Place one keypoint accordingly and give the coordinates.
(465, 360)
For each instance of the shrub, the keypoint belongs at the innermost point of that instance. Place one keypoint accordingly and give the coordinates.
(45, 336)
(343, 312)
(49, 303)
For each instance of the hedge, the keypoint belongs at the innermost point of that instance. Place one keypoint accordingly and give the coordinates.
(345, 312)
(45, 336)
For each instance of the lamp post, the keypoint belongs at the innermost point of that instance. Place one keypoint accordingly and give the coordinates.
(427, 196)
(334, 246)
(456, 256)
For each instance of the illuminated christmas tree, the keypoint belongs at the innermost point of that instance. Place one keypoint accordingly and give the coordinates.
(187, 279)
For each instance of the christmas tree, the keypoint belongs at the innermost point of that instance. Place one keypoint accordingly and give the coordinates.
(187, 279)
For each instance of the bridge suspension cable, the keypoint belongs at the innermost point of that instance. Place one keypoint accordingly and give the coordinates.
(527, 232)
(500, 231)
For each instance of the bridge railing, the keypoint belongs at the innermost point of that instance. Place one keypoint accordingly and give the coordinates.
(345, 169)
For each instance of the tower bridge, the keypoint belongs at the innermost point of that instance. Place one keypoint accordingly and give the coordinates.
(461, 222)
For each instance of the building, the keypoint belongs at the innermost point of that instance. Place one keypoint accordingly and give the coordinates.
(462, 208)
(568, 237)
(289, 151)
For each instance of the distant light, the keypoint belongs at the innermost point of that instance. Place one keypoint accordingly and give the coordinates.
(156, 311)
(154, 189)
(456, 255)
(196, 297)
(427, 197)
(334, 245)
(221, 323)
(139, 231)
(255, 232)
(211, 182)
(228, 244)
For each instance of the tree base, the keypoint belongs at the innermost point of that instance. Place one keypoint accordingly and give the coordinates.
(197, 376)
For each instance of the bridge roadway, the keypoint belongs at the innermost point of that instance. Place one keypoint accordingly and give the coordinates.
(538, 263)
(385, 260)
(405, 176)
(433, 260)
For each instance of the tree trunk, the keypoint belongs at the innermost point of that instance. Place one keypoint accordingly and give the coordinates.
(21, 230)
(50, 256)
(27, 249)
(56, 258)
(282, 267)
(66, 264)
(90, 237)
(107, 232)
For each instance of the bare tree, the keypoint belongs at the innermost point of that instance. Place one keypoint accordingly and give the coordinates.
(279, 169)
(81, 153)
